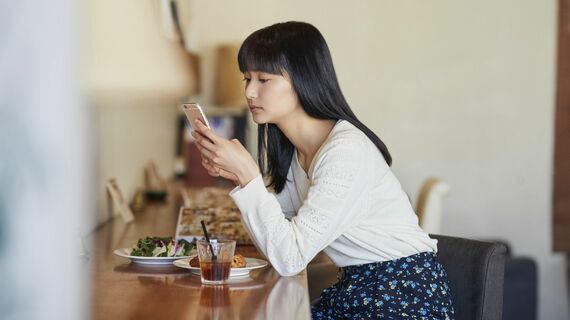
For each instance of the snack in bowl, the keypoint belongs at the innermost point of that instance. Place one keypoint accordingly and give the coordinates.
(237, 262)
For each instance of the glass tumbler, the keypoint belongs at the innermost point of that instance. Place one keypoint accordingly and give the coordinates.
(215, 266)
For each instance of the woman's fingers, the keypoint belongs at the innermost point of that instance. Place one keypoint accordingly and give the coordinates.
(205, 131)
(205, 144)
(228, 175)
(197, 134)
(213, 152)
(227, 158)
(209, 165)
(213, 171)
(208, 155)
(202, 141)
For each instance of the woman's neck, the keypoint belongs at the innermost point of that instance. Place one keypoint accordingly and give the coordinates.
(307, 134)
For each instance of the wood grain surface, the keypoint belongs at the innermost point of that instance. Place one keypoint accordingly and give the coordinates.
(124, 290)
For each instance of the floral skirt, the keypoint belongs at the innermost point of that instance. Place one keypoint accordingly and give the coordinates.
(413, 287)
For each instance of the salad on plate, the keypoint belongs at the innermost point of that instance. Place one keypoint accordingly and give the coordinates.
(157, 250)
(161, 247)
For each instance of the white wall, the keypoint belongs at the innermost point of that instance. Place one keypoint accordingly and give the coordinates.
(463, 90)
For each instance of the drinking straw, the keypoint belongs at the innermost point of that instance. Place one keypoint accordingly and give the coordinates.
(214, 258)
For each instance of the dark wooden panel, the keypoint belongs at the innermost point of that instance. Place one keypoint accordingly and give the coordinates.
(561, 191)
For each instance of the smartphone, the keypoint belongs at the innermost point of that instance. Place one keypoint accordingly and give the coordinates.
(194, 112)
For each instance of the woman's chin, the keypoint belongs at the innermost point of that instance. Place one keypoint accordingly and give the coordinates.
(258, 119)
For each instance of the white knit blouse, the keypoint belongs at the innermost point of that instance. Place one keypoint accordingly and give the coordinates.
(349, 204)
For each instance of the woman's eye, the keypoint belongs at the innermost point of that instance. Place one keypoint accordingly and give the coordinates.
(263, 80)
(246, 79)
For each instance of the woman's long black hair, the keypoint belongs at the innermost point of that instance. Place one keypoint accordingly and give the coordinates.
(299, 50)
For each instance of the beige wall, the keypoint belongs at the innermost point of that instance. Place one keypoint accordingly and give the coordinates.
(134, 79)
(462, 90)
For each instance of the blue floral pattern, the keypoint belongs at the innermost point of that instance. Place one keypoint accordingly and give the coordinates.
(413, 287)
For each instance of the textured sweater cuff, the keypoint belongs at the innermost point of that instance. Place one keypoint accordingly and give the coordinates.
(248, 197)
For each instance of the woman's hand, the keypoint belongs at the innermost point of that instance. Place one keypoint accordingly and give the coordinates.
(216, 172)
(226, 158)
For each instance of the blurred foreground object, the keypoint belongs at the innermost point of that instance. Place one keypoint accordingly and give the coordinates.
(45, 163)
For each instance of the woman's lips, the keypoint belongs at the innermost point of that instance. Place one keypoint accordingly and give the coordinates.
(253, 108)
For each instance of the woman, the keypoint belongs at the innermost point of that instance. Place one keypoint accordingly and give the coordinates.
(332, 186)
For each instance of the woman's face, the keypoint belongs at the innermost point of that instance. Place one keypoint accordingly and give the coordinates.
(270, 97)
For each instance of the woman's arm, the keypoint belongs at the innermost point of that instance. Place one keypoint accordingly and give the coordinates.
(285, 197)
(338, 183)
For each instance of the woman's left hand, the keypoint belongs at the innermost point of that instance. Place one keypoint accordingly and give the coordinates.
(228, 156)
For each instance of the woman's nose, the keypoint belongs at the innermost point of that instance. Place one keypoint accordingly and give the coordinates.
(250, 91)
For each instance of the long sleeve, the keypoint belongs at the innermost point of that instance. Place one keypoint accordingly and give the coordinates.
(284, 198)
(338, 179)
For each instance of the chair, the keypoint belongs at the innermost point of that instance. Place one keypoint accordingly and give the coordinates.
(429, 207)
(521, 286)
(476, 276)
(321, 274)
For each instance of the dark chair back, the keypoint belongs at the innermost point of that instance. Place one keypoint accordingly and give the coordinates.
(476, 276)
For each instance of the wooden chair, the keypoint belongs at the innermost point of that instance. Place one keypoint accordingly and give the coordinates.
(429, 206)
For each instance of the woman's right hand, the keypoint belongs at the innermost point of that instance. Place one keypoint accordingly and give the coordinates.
(213, 171)
(224, 158)
(217, 172)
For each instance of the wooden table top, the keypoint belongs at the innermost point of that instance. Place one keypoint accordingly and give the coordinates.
(124, 290)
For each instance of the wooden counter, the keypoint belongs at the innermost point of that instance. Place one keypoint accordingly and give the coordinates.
(123, 290)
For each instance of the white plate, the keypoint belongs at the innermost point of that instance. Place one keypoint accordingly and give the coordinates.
(251, 264)
(126, 253)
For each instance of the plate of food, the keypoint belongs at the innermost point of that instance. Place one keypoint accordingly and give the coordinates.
(241, 266)
(157, 250)
(221, 222)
